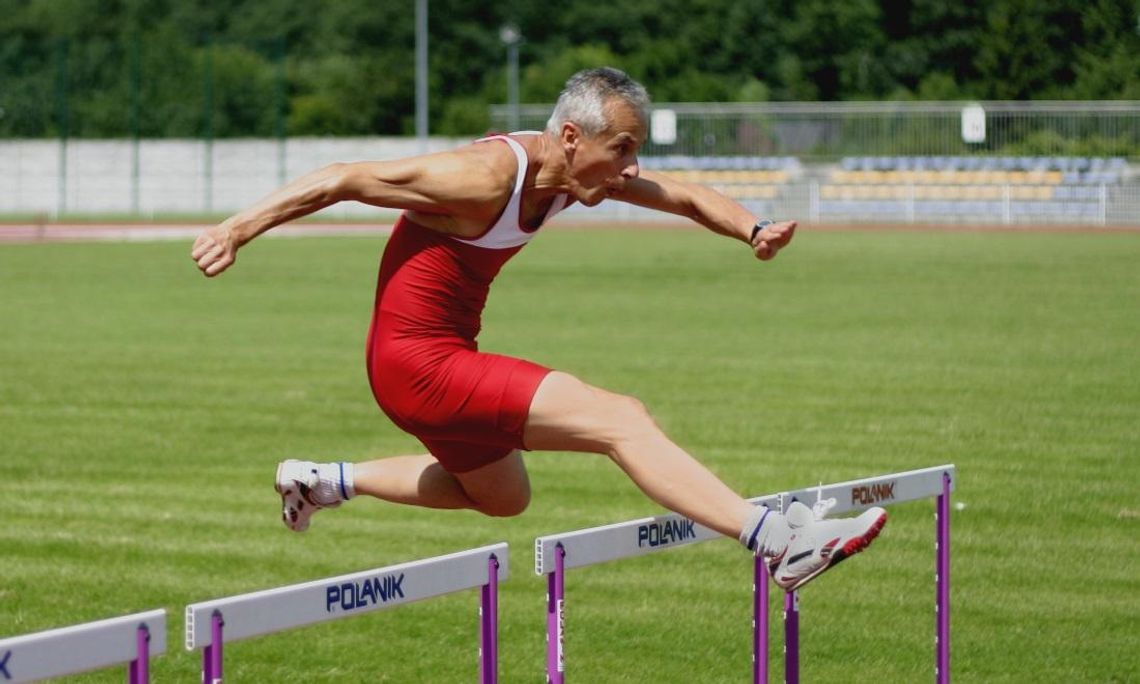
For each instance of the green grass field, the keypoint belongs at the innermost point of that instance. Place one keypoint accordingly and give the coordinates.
(143, 408)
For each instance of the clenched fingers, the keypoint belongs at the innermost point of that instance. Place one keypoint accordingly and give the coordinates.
(211, 254)
(772, 238)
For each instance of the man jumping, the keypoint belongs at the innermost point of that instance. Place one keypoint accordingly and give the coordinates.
(465, 213)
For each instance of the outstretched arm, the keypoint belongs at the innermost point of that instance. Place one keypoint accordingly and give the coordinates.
(457, 183)
(709, 208)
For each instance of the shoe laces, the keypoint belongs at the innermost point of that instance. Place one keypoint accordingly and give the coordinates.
(822, 506)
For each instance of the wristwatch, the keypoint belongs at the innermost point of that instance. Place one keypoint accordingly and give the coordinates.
(760, 224)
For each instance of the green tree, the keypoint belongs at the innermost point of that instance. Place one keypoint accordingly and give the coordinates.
(1108, 61)
(1027, 50)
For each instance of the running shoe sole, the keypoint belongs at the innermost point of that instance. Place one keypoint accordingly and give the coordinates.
(852, 547)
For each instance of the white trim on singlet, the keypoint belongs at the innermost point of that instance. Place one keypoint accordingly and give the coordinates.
(507, 231)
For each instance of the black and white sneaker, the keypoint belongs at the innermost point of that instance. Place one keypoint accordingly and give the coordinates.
(296, 483)
(816, 544)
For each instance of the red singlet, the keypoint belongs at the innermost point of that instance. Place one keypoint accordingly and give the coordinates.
(468, 408)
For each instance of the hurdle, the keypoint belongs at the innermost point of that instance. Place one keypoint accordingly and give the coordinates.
(557, 553)
(89, 646)
(210, 624)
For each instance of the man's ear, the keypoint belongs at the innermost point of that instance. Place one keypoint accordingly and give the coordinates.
(569, 136)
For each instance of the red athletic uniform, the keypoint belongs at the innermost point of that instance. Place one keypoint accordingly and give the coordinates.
(468, 408)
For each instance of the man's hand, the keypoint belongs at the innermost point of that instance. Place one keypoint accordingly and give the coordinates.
(772, 238)
(215, 250)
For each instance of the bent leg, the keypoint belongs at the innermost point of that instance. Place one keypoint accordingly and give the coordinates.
(414, 480)
(501, 488)
(566, 414)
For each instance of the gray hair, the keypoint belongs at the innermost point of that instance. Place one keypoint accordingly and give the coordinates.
(584, 98)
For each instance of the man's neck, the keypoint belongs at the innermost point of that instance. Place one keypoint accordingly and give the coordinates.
(549, 162)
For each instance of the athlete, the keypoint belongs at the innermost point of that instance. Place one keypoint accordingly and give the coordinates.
(465, 213)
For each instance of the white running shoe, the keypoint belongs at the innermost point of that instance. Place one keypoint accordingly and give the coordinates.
(817, 544)
(296, 481)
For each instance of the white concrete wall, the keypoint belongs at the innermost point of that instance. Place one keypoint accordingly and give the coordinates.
(173, 175)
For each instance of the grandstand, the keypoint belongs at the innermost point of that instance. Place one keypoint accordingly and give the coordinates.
(759, 183)
(1003, 189)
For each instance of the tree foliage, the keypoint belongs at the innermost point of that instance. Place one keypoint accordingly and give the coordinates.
(161, 68)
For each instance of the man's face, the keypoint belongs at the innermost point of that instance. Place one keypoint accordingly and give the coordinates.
(601, 164)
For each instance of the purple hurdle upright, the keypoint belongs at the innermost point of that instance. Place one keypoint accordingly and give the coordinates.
(555, 593)
(210, 624)
(791, 638)
(759, 621)
(131, 639)
(942, 579)
(138, 672)
(489, 624)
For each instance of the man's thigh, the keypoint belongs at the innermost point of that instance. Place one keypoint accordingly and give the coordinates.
(567, 414)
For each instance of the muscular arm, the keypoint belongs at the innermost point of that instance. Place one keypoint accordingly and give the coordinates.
(707, 207)
(456, 186)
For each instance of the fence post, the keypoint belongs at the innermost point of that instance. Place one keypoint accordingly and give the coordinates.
(813, 201)
(135, 105)
(63, 113)
(208, 128)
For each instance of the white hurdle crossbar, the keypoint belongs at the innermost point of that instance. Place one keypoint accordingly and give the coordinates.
(554, 554)
(210, 623)
(89, 646)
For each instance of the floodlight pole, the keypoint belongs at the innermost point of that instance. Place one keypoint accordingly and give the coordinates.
(422, 74)
(510, 35)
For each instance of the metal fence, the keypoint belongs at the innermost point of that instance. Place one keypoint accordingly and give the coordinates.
(826, 131)
(823, 137)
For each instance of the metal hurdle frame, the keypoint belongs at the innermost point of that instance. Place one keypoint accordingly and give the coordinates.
(210, 624)
(554, 554)
(84, 647)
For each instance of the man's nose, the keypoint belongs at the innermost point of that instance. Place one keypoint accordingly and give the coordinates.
(632, 170)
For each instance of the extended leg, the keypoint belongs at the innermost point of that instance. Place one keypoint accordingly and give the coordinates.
(569, 415)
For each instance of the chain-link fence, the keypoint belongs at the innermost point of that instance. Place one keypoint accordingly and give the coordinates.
(827, 131)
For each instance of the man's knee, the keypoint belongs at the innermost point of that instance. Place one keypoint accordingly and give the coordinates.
(630, 419)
